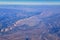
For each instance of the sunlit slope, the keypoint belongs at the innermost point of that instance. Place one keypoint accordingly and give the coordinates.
(9, 16)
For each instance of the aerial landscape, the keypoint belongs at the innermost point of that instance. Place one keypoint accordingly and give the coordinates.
(29, 22)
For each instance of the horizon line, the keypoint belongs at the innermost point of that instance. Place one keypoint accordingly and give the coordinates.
(29, 3)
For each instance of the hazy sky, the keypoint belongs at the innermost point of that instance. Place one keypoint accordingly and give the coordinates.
(33, 0)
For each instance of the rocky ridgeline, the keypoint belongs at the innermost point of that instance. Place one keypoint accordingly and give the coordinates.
(42, 26)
